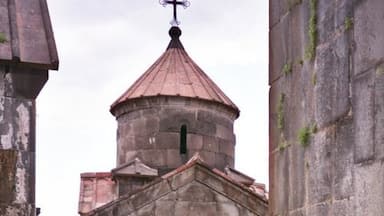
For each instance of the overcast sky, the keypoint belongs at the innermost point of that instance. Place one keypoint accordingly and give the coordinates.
(104, 46)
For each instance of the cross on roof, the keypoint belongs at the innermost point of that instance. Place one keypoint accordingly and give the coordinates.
(175, 3)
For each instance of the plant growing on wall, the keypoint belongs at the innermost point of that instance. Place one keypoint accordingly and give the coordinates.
(3, 39)
(310, 51)
(280, 112)
(348, 23)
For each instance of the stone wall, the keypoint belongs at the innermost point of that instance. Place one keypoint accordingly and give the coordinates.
(18, 89)
(195, 190)
(326, 107)
(149, 128)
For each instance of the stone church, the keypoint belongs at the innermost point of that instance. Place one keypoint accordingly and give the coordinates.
(175, 148)
(175, 126)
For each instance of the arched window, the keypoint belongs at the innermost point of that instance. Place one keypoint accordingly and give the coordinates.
(183, 139)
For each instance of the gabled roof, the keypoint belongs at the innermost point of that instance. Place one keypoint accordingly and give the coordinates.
(193, 172)
(134, 168)
(175, 74)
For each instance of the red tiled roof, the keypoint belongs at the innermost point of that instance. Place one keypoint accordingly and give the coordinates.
(175, 74)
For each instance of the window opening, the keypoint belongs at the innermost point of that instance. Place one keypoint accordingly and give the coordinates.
(183, 139)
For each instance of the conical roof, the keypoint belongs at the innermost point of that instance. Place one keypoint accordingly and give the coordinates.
(175, 74)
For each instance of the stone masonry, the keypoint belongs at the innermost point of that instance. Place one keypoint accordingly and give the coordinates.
(149, 128)
(326, 80)
(27, 52)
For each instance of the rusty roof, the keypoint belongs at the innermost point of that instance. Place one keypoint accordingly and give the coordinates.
(26, 34)
(175, 74)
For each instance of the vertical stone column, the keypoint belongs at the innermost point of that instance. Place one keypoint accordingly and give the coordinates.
(18, 90)
(326, 107)
(27, 52)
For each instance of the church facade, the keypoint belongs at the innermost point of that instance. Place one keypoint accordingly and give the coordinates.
(175, 148)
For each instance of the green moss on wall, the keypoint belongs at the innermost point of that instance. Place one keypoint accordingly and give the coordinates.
(3, 39)
(280, 112)
(310, 51)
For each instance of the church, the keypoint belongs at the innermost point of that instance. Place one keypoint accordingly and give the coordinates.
(175, 147)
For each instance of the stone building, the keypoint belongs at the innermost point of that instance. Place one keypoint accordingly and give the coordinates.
(27, 52)
(326, 107)
(175, 148)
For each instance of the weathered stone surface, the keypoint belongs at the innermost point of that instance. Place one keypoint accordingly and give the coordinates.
(379, 111)
(195, 190)
(29, 37)
(369, 187)
(279, 187)
(320, 167)
(332, 89)
(368, 35)
(341, 92)
(278, 54)
(343, 207)
(363, 103)
(151, 131)
(342, 161)
(8, 162)
(296, 180)
(319, 209)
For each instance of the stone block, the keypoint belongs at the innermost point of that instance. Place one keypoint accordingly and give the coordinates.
(165, 140)
(172, 120)
(326, 16)
(281, 182)
(8, 162)
(17, 124)
(343, 160)
(226, 147)
(274, 131)
(149, 194)
(363, 106)
(148, 210)
(297, 212)
(379, 111)
(165, 208)
(319, 167)
(343, 207)
(208, 157)
(25, 82)
(128, 116)
(206, 128)
(223, 132)
(369, 187)
(278, 50)
(186, 208)
(319, 209)
(227, 209)
(153, 158)
(368, 35)
(194, 141)
(296, 177)
(274, 12)
(332, 82)
(195, 192)
(210, 144)
(174, 158)
(209, 116)
(124, 207)
(182, 179)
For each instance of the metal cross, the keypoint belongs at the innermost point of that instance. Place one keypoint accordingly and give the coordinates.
(184, 3)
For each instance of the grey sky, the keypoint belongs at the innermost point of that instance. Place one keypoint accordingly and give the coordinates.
(104, 46)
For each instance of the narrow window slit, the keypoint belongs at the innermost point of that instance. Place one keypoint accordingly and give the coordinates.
(183, 139)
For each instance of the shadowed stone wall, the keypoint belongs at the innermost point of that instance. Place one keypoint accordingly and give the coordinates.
(18, 89)
(149, 128)
(326, 81)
